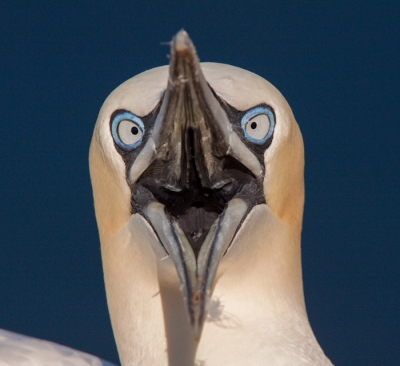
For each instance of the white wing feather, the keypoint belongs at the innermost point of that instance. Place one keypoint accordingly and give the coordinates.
(19, 350)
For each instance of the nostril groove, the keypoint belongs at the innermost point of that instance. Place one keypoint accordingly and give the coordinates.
(191, 143)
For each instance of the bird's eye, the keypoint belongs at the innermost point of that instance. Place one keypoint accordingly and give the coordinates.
(127, 130)
(258, 124)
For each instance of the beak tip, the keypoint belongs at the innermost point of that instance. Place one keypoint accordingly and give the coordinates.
(182, 42)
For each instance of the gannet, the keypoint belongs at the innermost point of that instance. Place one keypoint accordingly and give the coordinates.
(197, 175)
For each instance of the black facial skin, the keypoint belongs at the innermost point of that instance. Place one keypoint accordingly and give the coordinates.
(195, 206)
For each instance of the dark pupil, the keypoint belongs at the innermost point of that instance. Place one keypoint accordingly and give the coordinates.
(134, 130)
(253, 125)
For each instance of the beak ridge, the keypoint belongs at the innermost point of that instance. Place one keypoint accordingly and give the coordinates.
(192, 136)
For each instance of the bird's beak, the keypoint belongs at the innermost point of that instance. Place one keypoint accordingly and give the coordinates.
(197, 201)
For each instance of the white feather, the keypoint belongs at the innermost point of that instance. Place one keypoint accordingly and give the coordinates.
(19, 350)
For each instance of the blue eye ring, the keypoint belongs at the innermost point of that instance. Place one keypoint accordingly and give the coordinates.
(126, 116)
(253, 113)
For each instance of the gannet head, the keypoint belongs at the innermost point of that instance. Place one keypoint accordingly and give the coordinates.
(193, 166)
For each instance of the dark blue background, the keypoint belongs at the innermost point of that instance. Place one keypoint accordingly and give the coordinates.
(336, 63)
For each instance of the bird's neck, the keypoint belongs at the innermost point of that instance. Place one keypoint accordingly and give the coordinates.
(257, 308)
